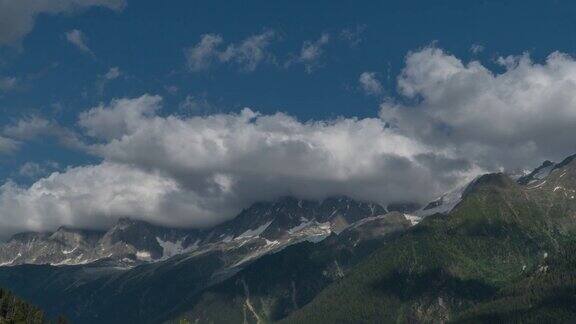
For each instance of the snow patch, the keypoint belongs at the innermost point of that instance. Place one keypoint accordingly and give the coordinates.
(537, 186)
(544, 172)
(143, 255)
(413, 219)
(300, 227)
(69, 251)
(254, 232)
(170, 249)
(447, 202)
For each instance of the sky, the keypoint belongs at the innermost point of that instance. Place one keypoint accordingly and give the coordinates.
(182, 113)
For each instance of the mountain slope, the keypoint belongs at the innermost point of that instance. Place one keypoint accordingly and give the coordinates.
(276, 285)
(114, 290)
(267, 225)
(447, 265)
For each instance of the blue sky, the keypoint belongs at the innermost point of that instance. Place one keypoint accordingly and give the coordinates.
(60, 61)
(147, 39)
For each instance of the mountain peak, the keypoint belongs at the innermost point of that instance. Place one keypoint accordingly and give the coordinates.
(565, 162)
(491, 180)
(539, 173)
(25, 237)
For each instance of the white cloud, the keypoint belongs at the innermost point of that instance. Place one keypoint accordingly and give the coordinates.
(195, 105)
(88, 196)
(113, 73)
(28, 128)
(454, 121)
(196, 171)
(202, 55)
(476, 48)
(248, 54)
(370, 83)
(78, 39)
(8, 145)
(312, 51)
(17, 17)
(121, 117)
(353, 36)
(516, 118)
(33, 127)
(34, 170)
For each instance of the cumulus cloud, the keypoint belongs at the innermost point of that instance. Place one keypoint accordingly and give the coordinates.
(247, 54)
(33, 127)
(17, 17)
(199, 171)
(34, 170)
(274, 155)
(78, 39)
(452, 121)
(87, 196)
(370, 83)
(121, 116)
(515, 118)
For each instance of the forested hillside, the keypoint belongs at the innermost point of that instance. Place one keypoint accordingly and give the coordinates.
(15, 310)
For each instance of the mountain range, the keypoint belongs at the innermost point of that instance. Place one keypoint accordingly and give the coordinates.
(261, 228)
(498, 249)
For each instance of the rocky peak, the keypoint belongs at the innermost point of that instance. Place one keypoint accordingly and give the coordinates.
(566, 162)
(72, 236)
(260, 228)
(28, 237)
(538, 174)
(137, 237)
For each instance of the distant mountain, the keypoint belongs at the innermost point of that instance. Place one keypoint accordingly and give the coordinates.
(495, 250)
(268, 225)
(127, 243)
(136, 262)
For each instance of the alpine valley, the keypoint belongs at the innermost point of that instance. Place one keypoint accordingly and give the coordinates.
(500, 249)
